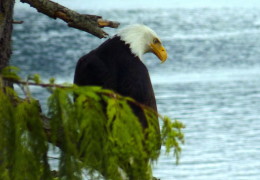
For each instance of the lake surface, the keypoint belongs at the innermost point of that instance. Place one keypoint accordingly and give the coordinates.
(210, 82)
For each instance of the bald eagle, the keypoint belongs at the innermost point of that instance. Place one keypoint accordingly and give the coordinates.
(116, 64)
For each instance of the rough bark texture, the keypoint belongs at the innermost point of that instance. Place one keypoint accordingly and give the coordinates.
(89, 23)
(6, 27)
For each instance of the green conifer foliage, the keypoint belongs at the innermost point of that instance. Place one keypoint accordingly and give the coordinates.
(95, 129)
(23, 144)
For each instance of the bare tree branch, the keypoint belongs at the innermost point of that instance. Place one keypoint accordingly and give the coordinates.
(17, 22)
(89, 23)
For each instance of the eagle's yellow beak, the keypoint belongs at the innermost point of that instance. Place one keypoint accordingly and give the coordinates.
(158, 49)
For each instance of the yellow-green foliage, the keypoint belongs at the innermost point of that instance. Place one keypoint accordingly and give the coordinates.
(23, 144)
(94, 128)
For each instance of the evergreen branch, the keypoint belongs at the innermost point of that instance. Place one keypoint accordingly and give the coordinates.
(167, 124)
(89, 23)
(106, 93)
(83, 127)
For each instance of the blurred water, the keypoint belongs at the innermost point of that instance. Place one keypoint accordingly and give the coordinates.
(211, 81)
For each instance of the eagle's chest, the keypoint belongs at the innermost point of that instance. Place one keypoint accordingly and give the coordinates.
(133, 80)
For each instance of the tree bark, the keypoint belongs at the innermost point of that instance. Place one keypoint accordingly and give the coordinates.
(6, 28)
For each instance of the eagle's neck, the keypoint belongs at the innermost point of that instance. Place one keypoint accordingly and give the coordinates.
(136, 42)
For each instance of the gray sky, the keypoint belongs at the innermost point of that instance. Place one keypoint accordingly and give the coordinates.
(133, 4)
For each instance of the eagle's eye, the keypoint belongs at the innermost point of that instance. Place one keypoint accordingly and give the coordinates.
(155, 41)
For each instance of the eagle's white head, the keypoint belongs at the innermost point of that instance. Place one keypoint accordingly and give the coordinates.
(143, 39)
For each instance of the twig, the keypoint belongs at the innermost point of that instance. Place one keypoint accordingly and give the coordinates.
(50, 157)
(17, 22)
(89, 23)
(45, 85)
